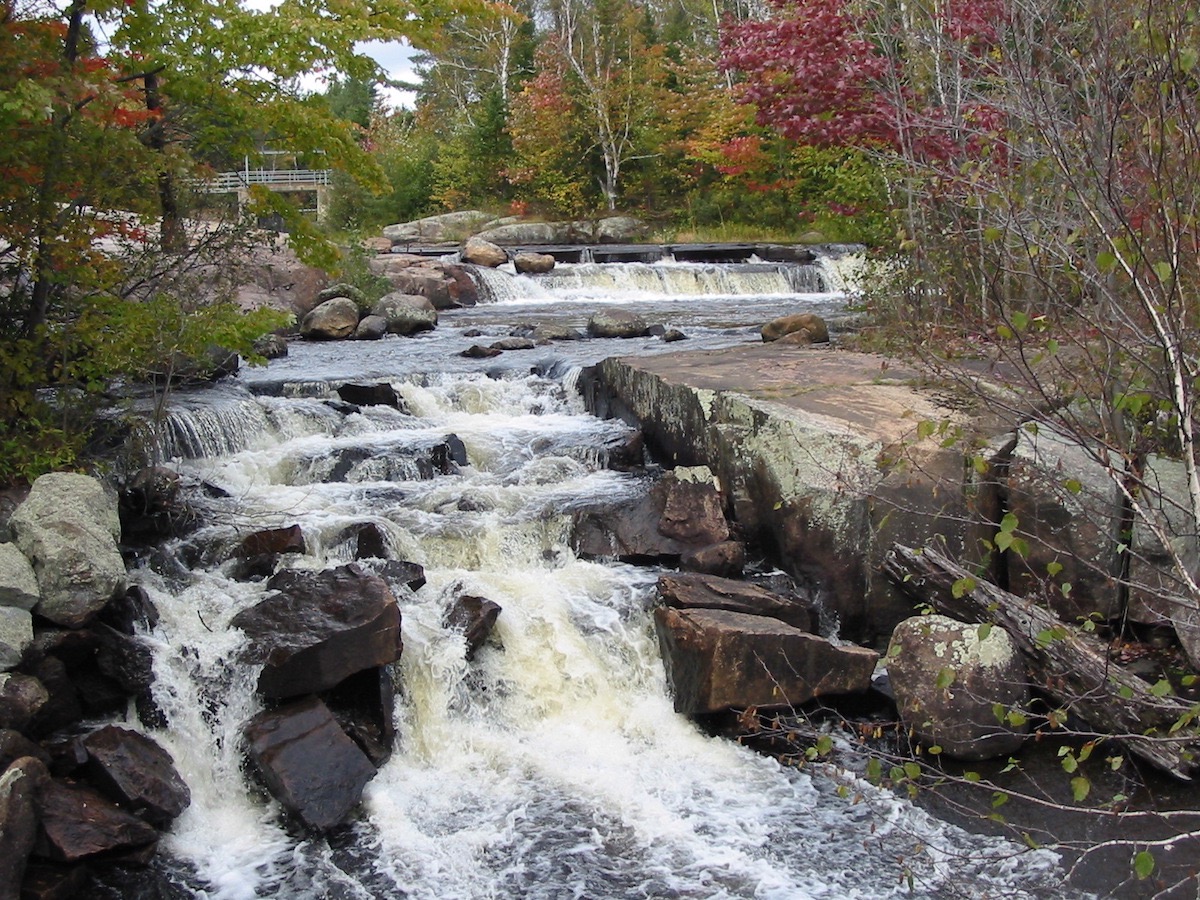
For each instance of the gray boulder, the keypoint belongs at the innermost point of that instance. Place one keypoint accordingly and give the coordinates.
(530, 233)
(718, 660)
(947, 680)
(371, 328)
(68, 528)
(406, 313)
(613, 229)
(19, 786)
(480, 252)
(513, 343)
(16, 634)
(349, 291)
(333, 320)
(18, 583)
(617, 323)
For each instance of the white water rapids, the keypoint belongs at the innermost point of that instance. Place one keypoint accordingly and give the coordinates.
(550, 766)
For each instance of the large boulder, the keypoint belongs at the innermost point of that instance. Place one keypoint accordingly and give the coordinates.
(530, 233)
(78, 823)
(18, 583)
(802, 328)
(445, 285)
(718, 660)
(438, 229)
(617, 323)
(948, 679)
(319, 628)
(681, 513)
(480, 252)
(137, 773)
(379, 393)
(333, 320)
(528, 263)
(68, 528)
(406, 313)
(308, 763)
(697, 591)
(370, 328)
(19, 785)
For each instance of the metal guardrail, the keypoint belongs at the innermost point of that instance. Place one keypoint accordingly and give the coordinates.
(275, 178)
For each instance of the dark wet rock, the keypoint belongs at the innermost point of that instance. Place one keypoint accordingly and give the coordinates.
(308, 763)
(271, 346)
(370, 541)
(478, 351)
(68, 756)
(79, 823)
(401, 572)
(473, 333)
(365, 705)
(137, 773)
(370, 328)
(126, 659)
(449, 454)
(626, 452)
(319, 628)
(130, 611)
(617, 323)
(802, 328)
(672, 335)
(513, 343)
(948, 677)
(272, 540)
(19, 787)
(474, 617)
(254, 568)
(379, 394)
(14, 745)
(47, 881)
(698, 591)
(22, 697)
(718, 660)
(681, 513)
(152, 506)
(333, 320)
(726, 559)
(533, 263)
(68, 528)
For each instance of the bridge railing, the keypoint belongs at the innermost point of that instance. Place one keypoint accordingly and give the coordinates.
(272, 178)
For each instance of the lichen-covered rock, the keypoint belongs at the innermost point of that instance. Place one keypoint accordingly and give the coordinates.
(68, 528)
(19, 785)
(718, 660)
(434, 229)
(617, 323)
(18, 583)
(333, 320)
(349, 291)
(948, 678)
(802, 328)
(479, 252)
(370, 328)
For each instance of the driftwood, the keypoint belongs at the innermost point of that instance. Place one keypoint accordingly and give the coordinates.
(1070, 665)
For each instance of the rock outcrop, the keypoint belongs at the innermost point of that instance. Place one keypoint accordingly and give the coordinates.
(801, 328)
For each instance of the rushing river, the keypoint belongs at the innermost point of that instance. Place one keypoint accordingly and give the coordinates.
(552, 764)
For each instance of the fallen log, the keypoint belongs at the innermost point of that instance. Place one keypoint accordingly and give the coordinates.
(1070, 665)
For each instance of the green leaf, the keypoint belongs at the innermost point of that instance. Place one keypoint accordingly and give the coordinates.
(1070, 764)
(983, 631)
(1106, 262)
(1073, 485)
(945, 678)
(912, 770)
(874, 770)
(1161, 688)
(1080, 788)
(992, 234)
(1053, 568)
(999, 798)
(1164, 271)
(1143, 864)
(1020, 320)
(824, 745)
(962, 587)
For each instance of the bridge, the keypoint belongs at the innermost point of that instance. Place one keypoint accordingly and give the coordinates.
(314, 181)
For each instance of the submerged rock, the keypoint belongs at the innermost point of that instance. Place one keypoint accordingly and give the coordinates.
(308, 763)
(320, 628)
(475, 617)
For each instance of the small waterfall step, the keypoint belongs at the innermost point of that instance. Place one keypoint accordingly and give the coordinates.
(647, 253)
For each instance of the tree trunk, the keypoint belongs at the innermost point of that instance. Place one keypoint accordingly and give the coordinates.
(1069, 665)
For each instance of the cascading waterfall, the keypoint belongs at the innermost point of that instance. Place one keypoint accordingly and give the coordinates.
(551, 765)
